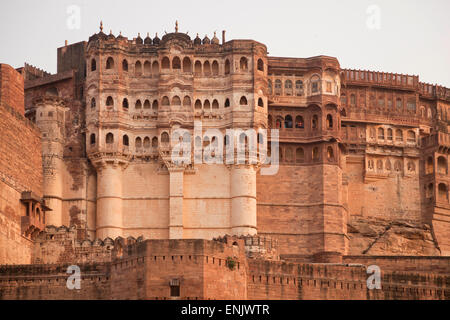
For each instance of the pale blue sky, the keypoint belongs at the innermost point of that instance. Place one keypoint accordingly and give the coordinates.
(414, 36)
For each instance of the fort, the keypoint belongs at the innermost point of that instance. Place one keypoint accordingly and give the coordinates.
(87, 176)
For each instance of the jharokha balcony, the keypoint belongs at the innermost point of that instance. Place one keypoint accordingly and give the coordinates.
(34, 220)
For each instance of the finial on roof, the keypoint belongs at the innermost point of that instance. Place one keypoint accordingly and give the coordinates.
(176, 26)
(110, 31)
(101, 26)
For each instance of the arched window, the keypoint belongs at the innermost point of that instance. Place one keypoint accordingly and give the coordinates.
(93, 105)
(164, 138)
(227, 103)
(389, 137)
(215, 104)
(109, 138)
(198, 68)
(186, 101)
(442, 192)
(299, 155)
(147, 104)
(138, 68)
(388, 165)
(315, 154)
(277, 87)
(429, 166)
(165, 63)
(138, 105)
(155, 142)
(315, 84)
(260, 65)
(299, 87)
(198, 104)
(215, 68)
(125, 104)
(289, 155)
(155, 67)
(411, 136)
(269, 121)
(380, 133)
(165, 101)
(278, 123)
(125, 65)
(269, 87)
(329, 121)
(176, 101)
(187, 65)
(110, 63)
(138, 143)
(288, 88)
(176, 63)
(330, 154)
(399, 103)
(243, 101)
(243, 64)
(207, 105)
(227, 66)
(299, 123)
(411, 106)
(206, 68)
(352, 100)
(146, 143)
(147, 68)
(315, 122)
(260, 103)
(398, 135)
(429, 192)
(125, 140)
(93, 65)
(92, 138)
(109, 102)
(379, 165)
(288, 122)
(442, 165)
(398, 166)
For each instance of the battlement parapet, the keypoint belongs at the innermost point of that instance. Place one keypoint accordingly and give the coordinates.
(30, 72)
(395, 81)
(256, 247)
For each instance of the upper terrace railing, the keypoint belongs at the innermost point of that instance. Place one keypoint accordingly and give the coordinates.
(381, 78)
(395, 80)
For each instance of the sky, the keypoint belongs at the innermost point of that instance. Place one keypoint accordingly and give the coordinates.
(401, 36)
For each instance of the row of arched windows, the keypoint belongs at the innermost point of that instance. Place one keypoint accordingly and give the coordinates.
(379, 165)
(288, 89)
(300, 154)
(299, 123)
(442, 166)
(176, 101)
(139, 142)
(206, 68)
(380, 102)
(442, 195)
(381, 134)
